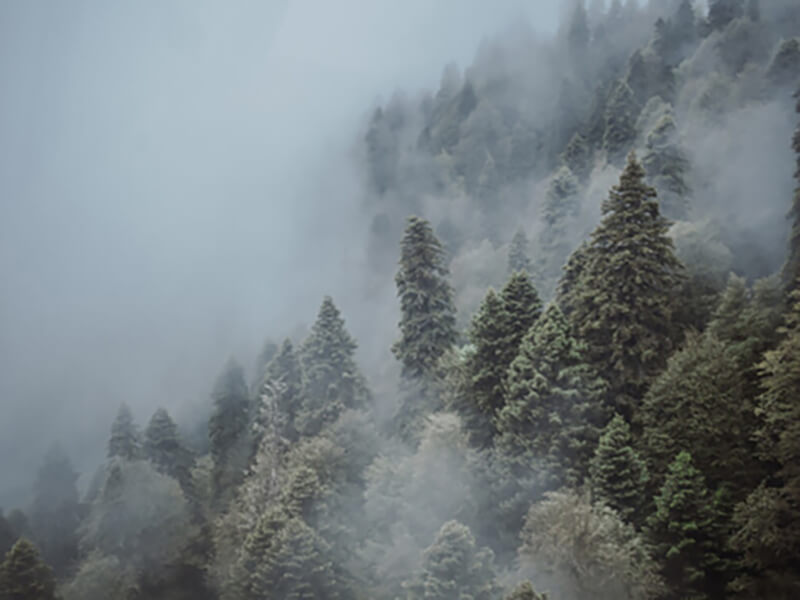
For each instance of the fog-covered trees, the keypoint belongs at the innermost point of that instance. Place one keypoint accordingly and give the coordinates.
(165, 450)
(24, 576)
(125, 441)
(791, 270)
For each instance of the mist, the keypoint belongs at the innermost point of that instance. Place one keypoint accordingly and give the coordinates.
(177, 186)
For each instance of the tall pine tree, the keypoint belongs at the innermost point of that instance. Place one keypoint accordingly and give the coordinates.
(166, 451)
(622, 302)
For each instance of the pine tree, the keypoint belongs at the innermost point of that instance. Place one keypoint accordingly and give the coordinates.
(453, 567)
(620, 122)
(622, 307)
(666, 166)
(619, 476)
(56, 511)
(427, 324)
(333, 382)
(124, 441)
(518, 259)
(550, 414)
(24, 576)
(228, 431)
(686, 533)
(165, 450)
(700, 402)
(791, 270)
(523, 308)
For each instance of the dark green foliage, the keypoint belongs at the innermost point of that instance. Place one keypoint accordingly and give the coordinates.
(525, 591)
(569, 289)
(620, 122)
(228, 431)
(686, 532)
(124, 441)
(24, 576)
(518, 258)
(427, 324)
(621, 305)
(166, 451)
(618, 475)
(551, 406)
(523, 307)
(454, 568)
(722, 12)
(791, 269)
(700, 402)
(56, 512)
(332, 381)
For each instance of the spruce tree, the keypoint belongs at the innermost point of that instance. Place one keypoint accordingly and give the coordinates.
(427, 323)
(24, 576)
(124, 441)
(551, 409)
(453, 567)
(228, 431)
(333, 382)
(577, 157)
(568, 288)
(56, 512)
(791, 270)
(618, 475)
(523, 308)
(666, 165)
(283, 385)
(518, 258)
(686, 533)
(620, 123)
(166, 451)
(622, 304)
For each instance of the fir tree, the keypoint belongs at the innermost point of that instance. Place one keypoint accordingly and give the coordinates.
(453, 567)
(24, 576)
(620, 123)
(666, 166)
(228, 431)
(427, 324)
(623, 305)
(568, 289)
(791, 270)
(333, 382)
(551, 403)
(686, 533)
(166, 452)
(283, 384)
(618, 476)
(523, 308)
(518, 259)
(124, 441)
(56, 511)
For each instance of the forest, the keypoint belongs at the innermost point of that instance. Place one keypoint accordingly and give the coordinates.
(588, 381)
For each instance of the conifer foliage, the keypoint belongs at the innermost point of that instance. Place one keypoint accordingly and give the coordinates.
(791, 270)
(24, 576)
(125, 441)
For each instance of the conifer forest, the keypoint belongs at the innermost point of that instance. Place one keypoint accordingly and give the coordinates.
(554, 352)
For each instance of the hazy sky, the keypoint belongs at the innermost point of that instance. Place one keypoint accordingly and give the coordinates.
(173, 187)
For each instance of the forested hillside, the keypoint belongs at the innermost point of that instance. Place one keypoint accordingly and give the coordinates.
(592, 390)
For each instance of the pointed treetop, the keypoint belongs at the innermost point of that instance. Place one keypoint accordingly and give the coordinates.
(124, 441)
(518, 259)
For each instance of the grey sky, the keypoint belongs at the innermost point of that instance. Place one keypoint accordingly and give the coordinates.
(161, 203)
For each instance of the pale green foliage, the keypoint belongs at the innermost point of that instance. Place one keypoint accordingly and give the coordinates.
(587, 550)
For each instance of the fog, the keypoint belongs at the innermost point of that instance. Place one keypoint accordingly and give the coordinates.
(175, 186)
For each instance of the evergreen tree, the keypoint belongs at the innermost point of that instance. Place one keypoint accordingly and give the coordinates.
(24, 576)
(577, 157)
(228, 431)
(618, 476)
(333, 382)
(686, 533)
(722, 12)
(56, 511)
(427, 324)
(525, 591)
(666, 166)
(791, 270)
(550, 414)
(518, 259)
(166, 452)
(268, 351)
(623, 305)
(620, 122)
(124, 441)
(568, 289)
(523, 308)
(454, 568)
(700, 402)
(283, 385)
(560, 208)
